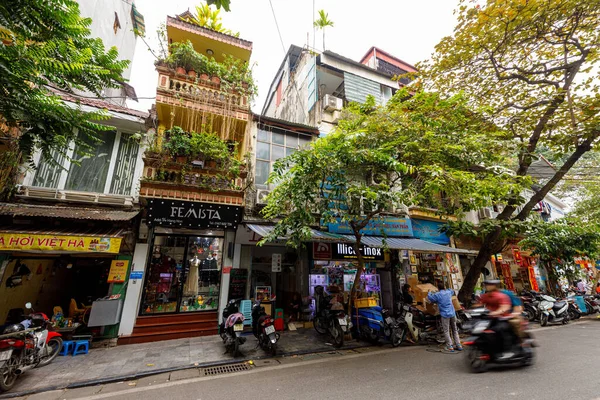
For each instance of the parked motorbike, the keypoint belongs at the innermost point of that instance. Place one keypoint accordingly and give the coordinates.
(373, 323)
(232, 327)
(25, 346)
(552, 311)
(263, 329)
(421, 326)
(573, 311)
(330, 318)
(481, 349)
(531, 305)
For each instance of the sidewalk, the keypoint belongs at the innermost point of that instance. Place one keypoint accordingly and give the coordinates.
(129, 361)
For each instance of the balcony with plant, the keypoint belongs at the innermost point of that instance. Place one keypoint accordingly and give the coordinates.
(194, 162)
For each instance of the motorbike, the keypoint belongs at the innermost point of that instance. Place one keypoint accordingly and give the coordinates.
(330, 318)
(573, 311)
(592, 304)
(552, 311)
(530, 305)
(27, 345)
(422, 327)
(481, 349)
(264, 329)
(232, 327)
(373, 323)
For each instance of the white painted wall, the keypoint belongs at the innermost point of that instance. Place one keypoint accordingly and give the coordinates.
(134, 291)
(227, 262)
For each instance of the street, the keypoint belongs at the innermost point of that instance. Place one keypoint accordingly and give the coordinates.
(566, 365)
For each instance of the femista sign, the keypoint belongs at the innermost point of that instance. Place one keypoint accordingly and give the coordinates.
(192, 215)
(85, 244)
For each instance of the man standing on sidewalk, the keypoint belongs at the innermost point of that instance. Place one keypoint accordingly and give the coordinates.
(443, 299)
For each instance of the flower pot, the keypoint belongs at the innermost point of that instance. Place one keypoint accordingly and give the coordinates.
(215, 79)
(211, 164)
(243, 174)
(182, 159)
(180, 70)
(204, 77)
(192, 73)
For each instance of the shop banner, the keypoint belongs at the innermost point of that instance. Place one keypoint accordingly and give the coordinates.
(84, 244)
(192, 215)
(342, 251)
(383, 226)
(118, 271)
(429, 231)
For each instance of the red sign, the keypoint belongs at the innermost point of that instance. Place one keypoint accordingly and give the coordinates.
(226, 270)
(321, 251)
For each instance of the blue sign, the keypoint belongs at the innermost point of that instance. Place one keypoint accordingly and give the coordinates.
(135, 275)
(429, 231)
(382, 226)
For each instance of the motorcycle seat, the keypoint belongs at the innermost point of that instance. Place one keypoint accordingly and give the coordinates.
(559, 304)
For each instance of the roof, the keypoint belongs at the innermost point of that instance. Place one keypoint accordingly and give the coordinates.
(220, 36)
(387, 54)
(284, 124)
(99, 103)
(79, 213)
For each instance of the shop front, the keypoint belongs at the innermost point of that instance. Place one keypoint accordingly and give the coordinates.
(182, 271)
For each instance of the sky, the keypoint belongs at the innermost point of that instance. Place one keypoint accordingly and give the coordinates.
(407, 29)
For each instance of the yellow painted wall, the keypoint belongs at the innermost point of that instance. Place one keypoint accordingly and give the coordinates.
(43, 290)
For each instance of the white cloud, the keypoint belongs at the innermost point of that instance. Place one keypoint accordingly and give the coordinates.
(407, 29)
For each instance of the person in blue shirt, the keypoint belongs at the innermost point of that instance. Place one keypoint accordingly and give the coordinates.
(443, 299)
(516, 322)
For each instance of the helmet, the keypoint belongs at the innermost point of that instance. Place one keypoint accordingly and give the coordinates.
(37, 320)
(494, 282)
(14, 328)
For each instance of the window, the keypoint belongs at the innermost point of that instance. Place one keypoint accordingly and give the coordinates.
(110, 168)
(272, 146)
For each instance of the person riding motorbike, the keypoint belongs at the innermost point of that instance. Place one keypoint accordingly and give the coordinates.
(516, 322)
(499, 306)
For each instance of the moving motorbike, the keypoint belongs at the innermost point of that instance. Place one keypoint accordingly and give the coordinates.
(330, 318)
(27, 345)
(481, 348)
(553, 311)
(264, 329)
(232, 327)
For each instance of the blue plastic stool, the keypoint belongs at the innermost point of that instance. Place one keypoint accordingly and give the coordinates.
(246, 310)
(81, 347)
(67, 347)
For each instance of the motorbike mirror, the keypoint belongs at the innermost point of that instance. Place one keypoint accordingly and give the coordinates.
(28, 306)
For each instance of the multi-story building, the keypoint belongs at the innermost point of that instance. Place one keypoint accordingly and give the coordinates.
(67, 237)
(193, 198)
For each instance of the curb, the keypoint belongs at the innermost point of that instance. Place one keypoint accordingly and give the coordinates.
(139, 375)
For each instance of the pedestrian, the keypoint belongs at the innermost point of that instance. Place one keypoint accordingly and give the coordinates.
(443, 299)
(581, 286)
(407, 297)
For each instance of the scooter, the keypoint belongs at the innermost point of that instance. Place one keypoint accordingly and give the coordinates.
(481, 348)
(264, 329)
(421, 326)
(232, 327)
(25, 346)
(373, 323)
(553, 311)
(330, 318)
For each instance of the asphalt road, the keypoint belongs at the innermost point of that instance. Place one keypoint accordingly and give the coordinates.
(566, 367)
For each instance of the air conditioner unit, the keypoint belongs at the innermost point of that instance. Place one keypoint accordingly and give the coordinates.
(332, 103)
(485, 213)
(261, 196)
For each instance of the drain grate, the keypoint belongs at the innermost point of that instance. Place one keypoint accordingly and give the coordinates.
(226, 369)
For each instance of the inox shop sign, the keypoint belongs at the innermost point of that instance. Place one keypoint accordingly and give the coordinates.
(344, 250)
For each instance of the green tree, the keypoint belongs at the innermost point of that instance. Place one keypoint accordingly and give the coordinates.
(45, 50)
(531, 66)
(558, 244)
(380, 158)
(219, 4)
(208, 18)
(323, 22)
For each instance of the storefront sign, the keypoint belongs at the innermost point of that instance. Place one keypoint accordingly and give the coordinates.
(118, 271)
(85, 244)
(429, 231)
(384, 226)
(136, 275)
(188, 214)
(341, 251)
(322, 251)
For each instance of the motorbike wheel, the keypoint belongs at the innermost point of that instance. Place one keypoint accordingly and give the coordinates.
(273, 349)
(320, 325)
(236, 347)
(53, 347)
(337, 335)
(7, 374)
(530, 314)
(473, 360)
(543, 320)
(398, 336)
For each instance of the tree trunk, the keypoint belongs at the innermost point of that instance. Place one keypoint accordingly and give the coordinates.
(359, 270)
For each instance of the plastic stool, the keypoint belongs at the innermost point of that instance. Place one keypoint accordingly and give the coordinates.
(67, 347)
(279, 324)
(81, 347)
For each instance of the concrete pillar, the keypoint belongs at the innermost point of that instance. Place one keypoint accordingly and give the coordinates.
(134, 290)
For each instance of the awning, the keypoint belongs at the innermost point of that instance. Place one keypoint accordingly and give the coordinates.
(93, 240)
(316, 236)
(95, 214)
(372, 241)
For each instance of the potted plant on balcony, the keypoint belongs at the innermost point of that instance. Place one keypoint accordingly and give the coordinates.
(178, 144)
(183, 57)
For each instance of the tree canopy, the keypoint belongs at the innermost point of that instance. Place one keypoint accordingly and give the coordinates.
(531, 67)
(46, 49)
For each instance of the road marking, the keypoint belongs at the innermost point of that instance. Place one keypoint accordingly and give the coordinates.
(139, 389)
